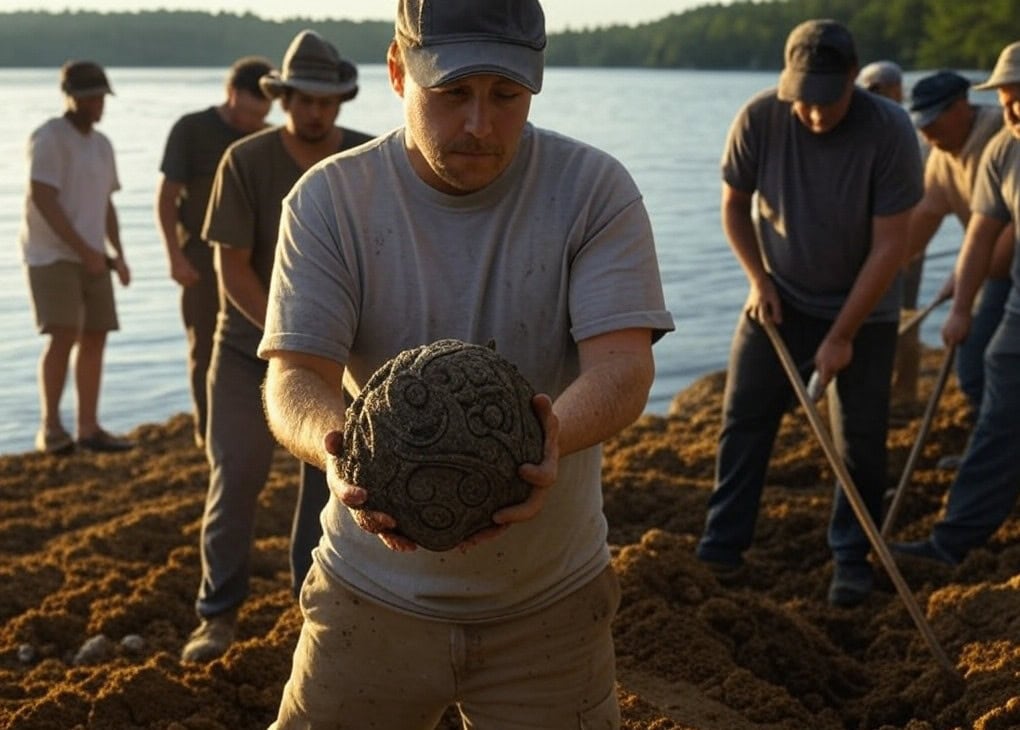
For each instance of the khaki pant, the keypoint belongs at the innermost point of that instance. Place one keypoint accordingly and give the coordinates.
(361, 665)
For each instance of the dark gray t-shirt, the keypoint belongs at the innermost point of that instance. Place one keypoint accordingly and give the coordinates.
(254, 176)
(997, 195)
(817, 193)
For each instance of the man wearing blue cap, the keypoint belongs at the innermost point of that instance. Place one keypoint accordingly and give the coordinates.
(986, 487)
(468, 223)
(958, 133)
(834, 171)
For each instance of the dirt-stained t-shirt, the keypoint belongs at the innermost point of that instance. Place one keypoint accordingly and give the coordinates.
(816, 194)
(254, 176)
(556, 250)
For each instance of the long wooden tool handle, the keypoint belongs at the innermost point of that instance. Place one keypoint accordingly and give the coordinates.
(922, 436)
(919, 316)
(854, 497)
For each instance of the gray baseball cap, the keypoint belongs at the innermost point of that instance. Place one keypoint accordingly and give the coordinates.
(444, 40)
(84, 78)
(819, 56)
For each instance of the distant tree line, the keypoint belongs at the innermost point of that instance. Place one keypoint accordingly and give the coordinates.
(746, 34)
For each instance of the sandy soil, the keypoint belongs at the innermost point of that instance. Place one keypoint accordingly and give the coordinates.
(107, 544)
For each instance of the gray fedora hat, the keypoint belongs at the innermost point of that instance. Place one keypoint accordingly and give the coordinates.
(1007, 68)
(312, 65)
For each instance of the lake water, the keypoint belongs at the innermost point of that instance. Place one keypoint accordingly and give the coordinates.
(667, 127)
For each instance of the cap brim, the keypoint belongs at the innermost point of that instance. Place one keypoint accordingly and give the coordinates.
(811, 88)
(91, 91)
(442, 63)
(272, 86)
(923, 117)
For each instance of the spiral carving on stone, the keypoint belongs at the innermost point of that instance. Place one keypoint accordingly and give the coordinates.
(436, 437)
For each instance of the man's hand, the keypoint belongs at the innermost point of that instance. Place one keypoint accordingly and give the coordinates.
(93, 262)
(956, 327)
(763, 302)
(832, 356)
(123, 272)
(379, 524)
(182, 271)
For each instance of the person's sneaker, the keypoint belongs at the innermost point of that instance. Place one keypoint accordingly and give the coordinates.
(57, 442)
(104, 441)
(211, 639)
(851, 584)
(924, 549)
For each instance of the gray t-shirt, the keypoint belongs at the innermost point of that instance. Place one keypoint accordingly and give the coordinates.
(373, 261)
(997, 195)
(817, 193)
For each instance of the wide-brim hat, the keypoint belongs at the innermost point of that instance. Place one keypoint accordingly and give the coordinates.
(312, 65)
(819, 57)
(1007, 68)
(445, 40)
(84, 78)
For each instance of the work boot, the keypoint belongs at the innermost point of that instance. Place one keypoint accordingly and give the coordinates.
(211, 639)
(851, 584)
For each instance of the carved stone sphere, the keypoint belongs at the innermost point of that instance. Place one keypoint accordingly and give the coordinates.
(436, 437)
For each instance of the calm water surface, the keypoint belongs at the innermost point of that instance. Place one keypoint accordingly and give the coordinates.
(667, 127)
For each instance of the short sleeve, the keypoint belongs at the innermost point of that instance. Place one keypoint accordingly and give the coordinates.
(46, 158)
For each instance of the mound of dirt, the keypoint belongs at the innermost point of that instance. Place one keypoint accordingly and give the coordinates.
(107, 544)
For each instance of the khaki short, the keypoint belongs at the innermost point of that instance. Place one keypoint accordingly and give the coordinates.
(359, 664)
(63, 295)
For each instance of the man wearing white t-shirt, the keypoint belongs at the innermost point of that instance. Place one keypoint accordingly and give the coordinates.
(69, 218)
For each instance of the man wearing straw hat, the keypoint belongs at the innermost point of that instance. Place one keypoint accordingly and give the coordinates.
(834, 172)
(242, 223)
(986, 487)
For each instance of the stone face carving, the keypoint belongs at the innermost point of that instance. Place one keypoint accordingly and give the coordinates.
(436, 437)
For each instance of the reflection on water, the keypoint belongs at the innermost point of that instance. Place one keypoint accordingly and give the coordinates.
(667, 127)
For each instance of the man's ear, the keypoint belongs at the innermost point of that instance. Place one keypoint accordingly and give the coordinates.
(395, 66)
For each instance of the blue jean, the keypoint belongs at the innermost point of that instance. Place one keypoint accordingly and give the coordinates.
(240, 448)
(970, 355)
(756, 397)
(988, 482)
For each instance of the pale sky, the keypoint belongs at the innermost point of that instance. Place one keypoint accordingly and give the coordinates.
(560, 14)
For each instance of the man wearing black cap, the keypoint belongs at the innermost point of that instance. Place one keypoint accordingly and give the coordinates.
(241, 223)
(468, 223)
(987, 485)
(836, 171)
(69, 220)
(958, 133)
(193, 151)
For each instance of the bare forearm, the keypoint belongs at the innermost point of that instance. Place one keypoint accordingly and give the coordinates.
(974, 260)
(113, 229)
(241, 284)
(166, 215)
(605, 399)
(740, 233)
(301, 408)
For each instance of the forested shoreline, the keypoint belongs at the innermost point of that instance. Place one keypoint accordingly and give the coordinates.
(741, 35)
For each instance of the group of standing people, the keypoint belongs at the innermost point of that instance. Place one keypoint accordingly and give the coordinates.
(310, 254)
